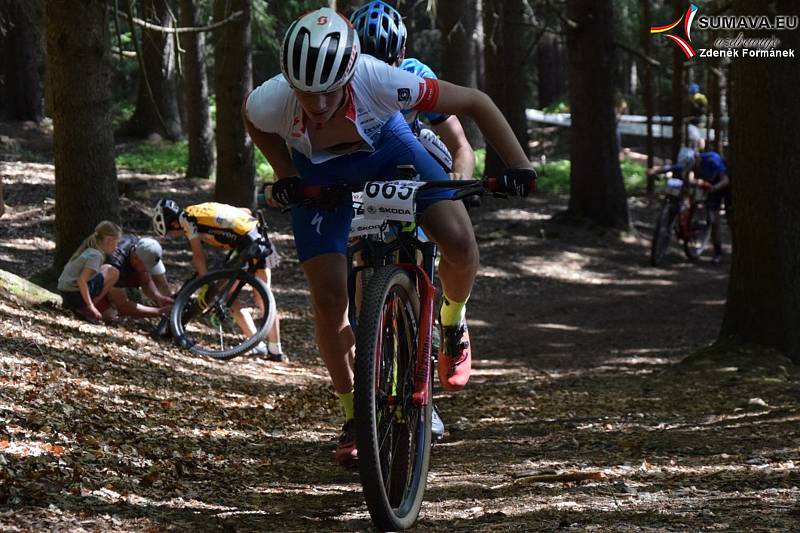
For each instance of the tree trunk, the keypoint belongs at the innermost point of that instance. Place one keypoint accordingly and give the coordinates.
(195, 85)
(546, 59)
(678, 87)
(764, 290)
(159, 112)
(647, 90)
(503, 41)
(233, 81)
(457, 25)
(21, 60)
(78, 62)
(597, 191)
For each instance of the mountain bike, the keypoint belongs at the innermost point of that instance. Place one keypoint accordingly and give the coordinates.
(393, 381)
(209, 310)
(683, 213)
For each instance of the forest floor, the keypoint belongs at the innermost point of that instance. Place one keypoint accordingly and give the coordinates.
(583, 411)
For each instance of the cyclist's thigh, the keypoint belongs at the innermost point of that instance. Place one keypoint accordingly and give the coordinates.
(448, 222)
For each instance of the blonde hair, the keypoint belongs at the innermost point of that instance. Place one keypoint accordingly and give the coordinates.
(104, 229)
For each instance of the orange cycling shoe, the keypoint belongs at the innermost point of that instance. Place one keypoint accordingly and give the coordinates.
(455, 357)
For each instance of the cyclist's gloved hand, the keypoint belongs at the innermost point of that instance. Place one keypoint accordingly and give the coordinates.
(705, 185)
(518, 181)
(287, 191)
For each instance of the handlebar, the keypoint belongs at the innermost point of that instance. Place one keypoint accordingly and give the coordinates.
(333, 196)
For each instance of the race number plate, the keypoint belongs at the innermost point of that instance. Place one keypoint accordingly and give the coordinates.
(390, 200)
(361, 227)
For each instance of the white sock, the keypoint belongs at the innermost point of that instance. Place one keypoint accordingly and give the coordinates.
(274, 347)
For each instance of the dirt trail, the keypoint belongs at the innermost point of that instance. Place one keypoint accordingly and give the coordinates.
(578, 345)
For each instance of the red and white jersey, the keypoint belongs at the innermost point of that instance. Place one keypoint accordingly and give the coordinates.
(377, 91)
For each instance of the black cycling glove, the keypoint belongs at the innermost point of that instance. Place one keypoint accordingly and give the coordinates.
(518, 181)
(288, 191)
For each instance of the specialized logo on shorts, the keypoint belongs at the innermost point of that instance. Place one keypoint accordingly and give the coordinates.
(316, 221)
(404, 94)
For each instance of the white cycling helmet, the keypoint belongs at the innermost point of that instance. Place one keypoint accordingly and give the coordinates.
(319, 52)
(686, 158)
(165, 212)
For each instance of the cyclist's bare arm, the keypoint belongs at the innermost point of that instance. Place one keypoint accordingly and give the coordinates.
(162, 284)
(198, 256)
(456, 100)
(453, 136)
(274, 149)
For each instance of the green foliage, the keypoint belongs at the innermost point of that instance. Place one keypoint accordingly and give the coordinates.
(264, 171)
(557, 107)
(121, 111)
(480, 162)
(554, 176)
(156, 158)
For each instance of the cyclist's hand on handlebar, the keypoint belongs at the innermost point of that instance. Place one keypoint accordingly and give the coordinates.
(284, 192)
(518, 181)
(705, 185)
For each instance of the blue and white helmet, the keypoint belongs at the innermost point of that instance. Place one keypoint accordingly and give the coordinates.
(319, 52)
(381, 31)
(686, 158)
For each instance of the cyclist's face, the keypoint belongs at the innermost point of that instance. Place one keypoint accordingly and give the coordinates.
(320, 107)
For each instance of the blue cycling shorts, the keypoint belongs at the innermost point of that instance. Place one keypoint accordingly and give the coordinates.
(317, 231)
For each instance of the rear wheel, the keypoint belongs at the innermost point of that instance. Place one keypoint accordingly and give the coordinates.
(662, 233)
(209, 311)
(699, 236)
(393, 435)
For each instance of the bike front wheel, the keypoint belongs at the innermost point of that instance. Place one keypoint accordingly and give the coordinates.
(699, 236)
(393, 434)
(222, 314)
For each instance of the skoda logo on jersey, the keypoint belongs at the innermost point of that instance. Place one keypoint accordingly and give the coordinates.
(371, 209)
(404, 95)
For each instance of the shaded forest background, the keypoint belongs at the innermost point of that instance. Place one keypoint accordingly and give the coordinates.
(105, 76)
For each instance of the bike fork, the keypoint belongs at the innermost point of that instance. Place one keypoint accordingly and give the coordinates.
(422, 374)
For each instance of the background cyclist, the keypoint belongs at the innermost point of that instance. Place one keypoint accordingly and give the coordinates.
(226, 227)
(709, 171)
(382, 34)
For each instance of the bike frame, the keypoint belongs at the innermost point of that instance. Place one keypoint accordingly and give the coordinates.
(378, 254)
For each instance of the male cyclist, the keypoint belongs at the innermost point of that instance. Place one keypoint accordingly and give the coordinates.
(382, 34)
(709, 171)
(332, 117)
(227, 227)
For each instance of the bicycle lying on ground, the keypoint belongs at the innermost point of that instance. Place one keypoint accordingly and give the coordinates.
(683, 212)
(393, 381)
(209, 310)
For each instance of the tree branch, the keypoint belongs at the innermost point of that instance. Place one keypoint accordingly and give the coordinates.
(637, 53)
(199, 29)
